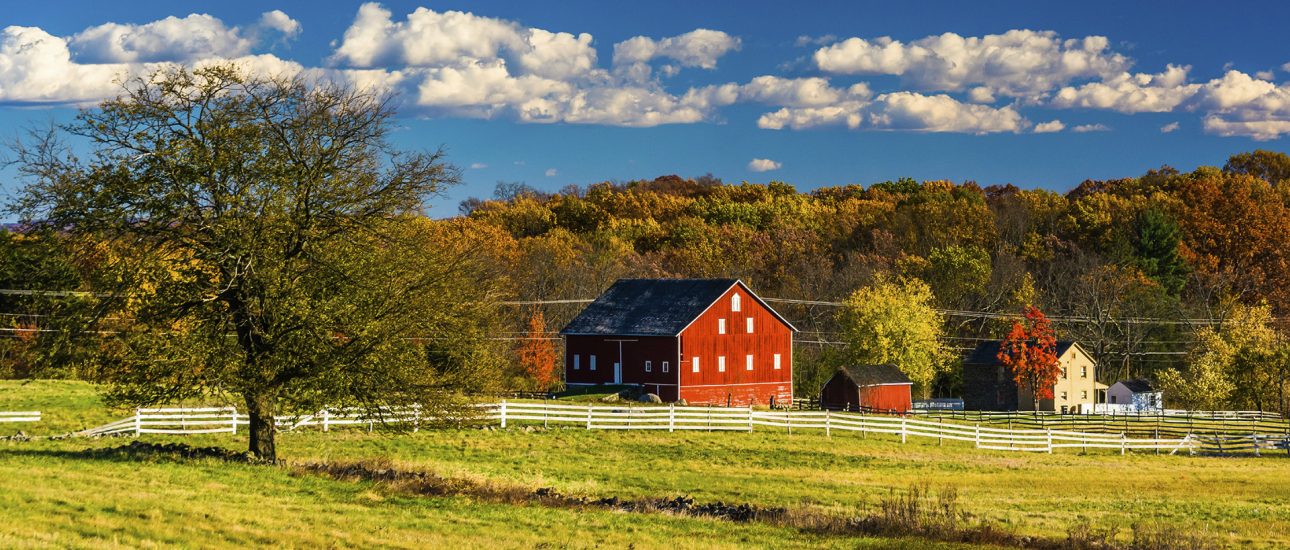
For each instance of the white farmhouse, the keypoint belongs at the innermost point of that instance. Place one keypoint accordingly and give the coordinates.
(1134, 396)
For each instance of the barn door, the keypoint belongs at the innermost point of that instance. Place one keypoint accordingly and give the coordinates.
(618, 372)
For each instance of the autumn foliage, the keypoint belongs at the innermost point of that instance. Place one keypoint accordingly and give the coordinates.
(1030, 353)
(537, 353)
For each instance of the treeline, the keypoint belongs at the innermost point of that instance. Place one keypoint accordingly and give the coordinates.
(1144, 272)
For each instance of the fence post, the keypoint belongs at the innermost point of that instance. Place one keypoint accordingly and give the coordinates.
(750, 417)
(789, 419)
(1256, 444)
(234, 431)
(978, 435)
(503, 414)
(138, 423)
(828, 432)
(1050, 441)
(545, 414)
(416, 418)
(588, 417)
(671, 417)
(1124, 442)
(326, 419)
(903, 430)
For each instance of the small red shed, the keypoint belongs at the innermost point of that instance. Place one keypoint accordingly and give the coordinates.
(881, 388)
(707, 341)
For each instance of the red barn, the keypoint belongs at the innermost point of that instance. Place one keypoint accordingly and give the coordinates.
(869, 387)
(706, 341)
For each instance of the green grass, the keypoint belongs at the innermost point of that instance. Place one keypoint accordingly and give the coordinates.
(1241, 501)
(590, 393)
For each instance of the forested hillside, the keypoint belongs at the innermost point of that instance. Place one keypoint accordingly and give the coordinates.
(1142, 271)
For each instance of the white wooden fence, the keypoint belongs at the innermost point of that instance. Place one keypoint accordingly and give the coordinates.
(20, 416)
(673, 418)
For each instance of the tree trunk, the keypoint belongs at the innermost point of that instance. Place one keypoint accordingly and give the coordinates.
(260, 409)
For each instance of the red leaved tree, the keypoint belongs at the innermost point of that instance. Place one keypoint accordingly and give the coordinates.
(1030, 353)
(537, 353)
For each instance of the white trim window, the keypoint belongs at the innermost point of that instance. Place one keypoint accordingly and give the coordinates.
(577, 362)
(721, 325)
(734, 302)
(1083, 372)
(721, 363)
(592, 366)
(665, 365)
(749, 325)
(777, 361)
(694, 364)
(648, 366)
(748, 362)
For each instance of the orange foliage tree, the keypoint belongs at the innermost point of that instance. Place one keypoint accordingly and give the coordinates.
(537, 353)
(1030, 353)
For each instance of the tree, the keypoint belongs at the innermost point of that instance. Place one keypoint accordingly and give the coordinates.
(1240, 364)
(895, 321)
(1270, 166)
(537, 353)
(1030, 354)
(296, 268)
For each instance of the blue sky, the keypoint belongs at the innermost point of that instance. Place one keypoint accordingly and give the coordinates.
(1035, 94)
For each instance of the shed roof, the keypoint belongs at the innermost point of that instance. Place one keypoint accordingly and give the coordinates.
(1138, 385)
(653, 307)
(987, 353)
(874, 375)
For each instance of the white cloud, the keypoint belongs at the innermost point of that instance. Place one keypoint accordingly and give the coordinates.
(1265, 75)
(1239, 105)
(1168, 128)
(551, 172)
(1049, 127)
(478, 166)
(808, 40)
(1085, 128)
(37, 67)
(908, 111)
(1132, 93)
(799, 92)
(1017, 63)
(186, 39)
(697, 48)
(981, 94)
(1259, 130)
(763, 165)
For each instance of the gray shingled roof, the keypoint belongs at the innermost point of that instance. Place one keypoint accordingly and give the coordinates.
(650, 307)
(1138, 385)
(987, 353)
(873, 375)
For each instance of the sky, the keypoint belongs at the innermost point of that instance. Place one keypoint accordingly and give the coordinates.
(810, 93)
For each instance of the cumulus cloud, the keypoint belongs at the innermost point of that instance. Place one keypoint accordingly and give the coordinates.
(1132, 93)
(1049, 127)
(697, 48)
(1168, 128)
(279, 21)
(1085, 128)
(478, 166)
(1018, 63)
(908, 111)
(1240, 105)
(186, 39)
(551, 172)
(763, 165)
(37, 67)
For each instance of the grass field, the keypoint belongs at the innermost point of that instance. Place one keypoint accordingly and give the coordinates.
(66, 497)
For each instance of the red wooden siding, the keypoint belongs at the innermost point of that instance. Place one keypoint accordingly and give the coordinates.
(636, 350)
(737, 385)
(887, 398)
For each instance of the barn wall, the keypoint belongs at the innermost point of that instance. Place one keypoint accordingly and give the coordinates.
(737, 385)
(636, 350)
(840, 393)
(887, 397)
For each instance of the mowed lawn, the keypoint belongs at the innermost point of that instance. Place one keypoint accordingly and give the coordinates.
(1240, 501)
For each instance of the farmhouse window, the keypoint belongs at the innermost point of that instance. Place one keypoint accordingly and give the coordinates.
(1063, 373)
(721, 363)
(748, 362)
(734, 302)
(694, 363)
(592, 366)
(750, 325)
(1083, 372)
(1063, 396)
(1113, 399)
(776, 361)
(647, 366)
(1083, 394)
(664, 366)
(577, 362)
(721, 326)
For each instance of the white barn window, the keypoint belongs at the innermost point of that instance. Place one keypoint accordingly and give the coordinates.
(749, 323)
(664, 366)
(648, 366)
(721, 363)
(776, 361)
(734, 302)
(748, 362)
(694, 363)
(592, 366)
(721, 326)
(577, 362)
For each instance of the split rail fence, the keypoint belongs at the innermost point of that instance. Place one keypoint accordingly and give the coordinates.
(673, 418)
(20, 416)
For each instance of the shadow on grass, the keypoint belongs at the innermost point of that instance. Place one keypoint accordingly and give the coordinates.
(139, 451)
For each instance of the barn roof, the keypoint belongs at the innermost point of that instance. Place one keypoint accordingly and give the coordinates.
(1138, 385)
(874, 375)
(987, 353)
(653, 307)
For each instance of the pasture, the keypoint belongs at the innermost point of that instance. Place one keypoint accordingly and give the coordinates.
(64, 493)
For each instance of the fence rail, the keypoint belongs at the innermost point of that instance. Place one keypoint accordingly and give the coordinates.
(19, 416)
(673, 418)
